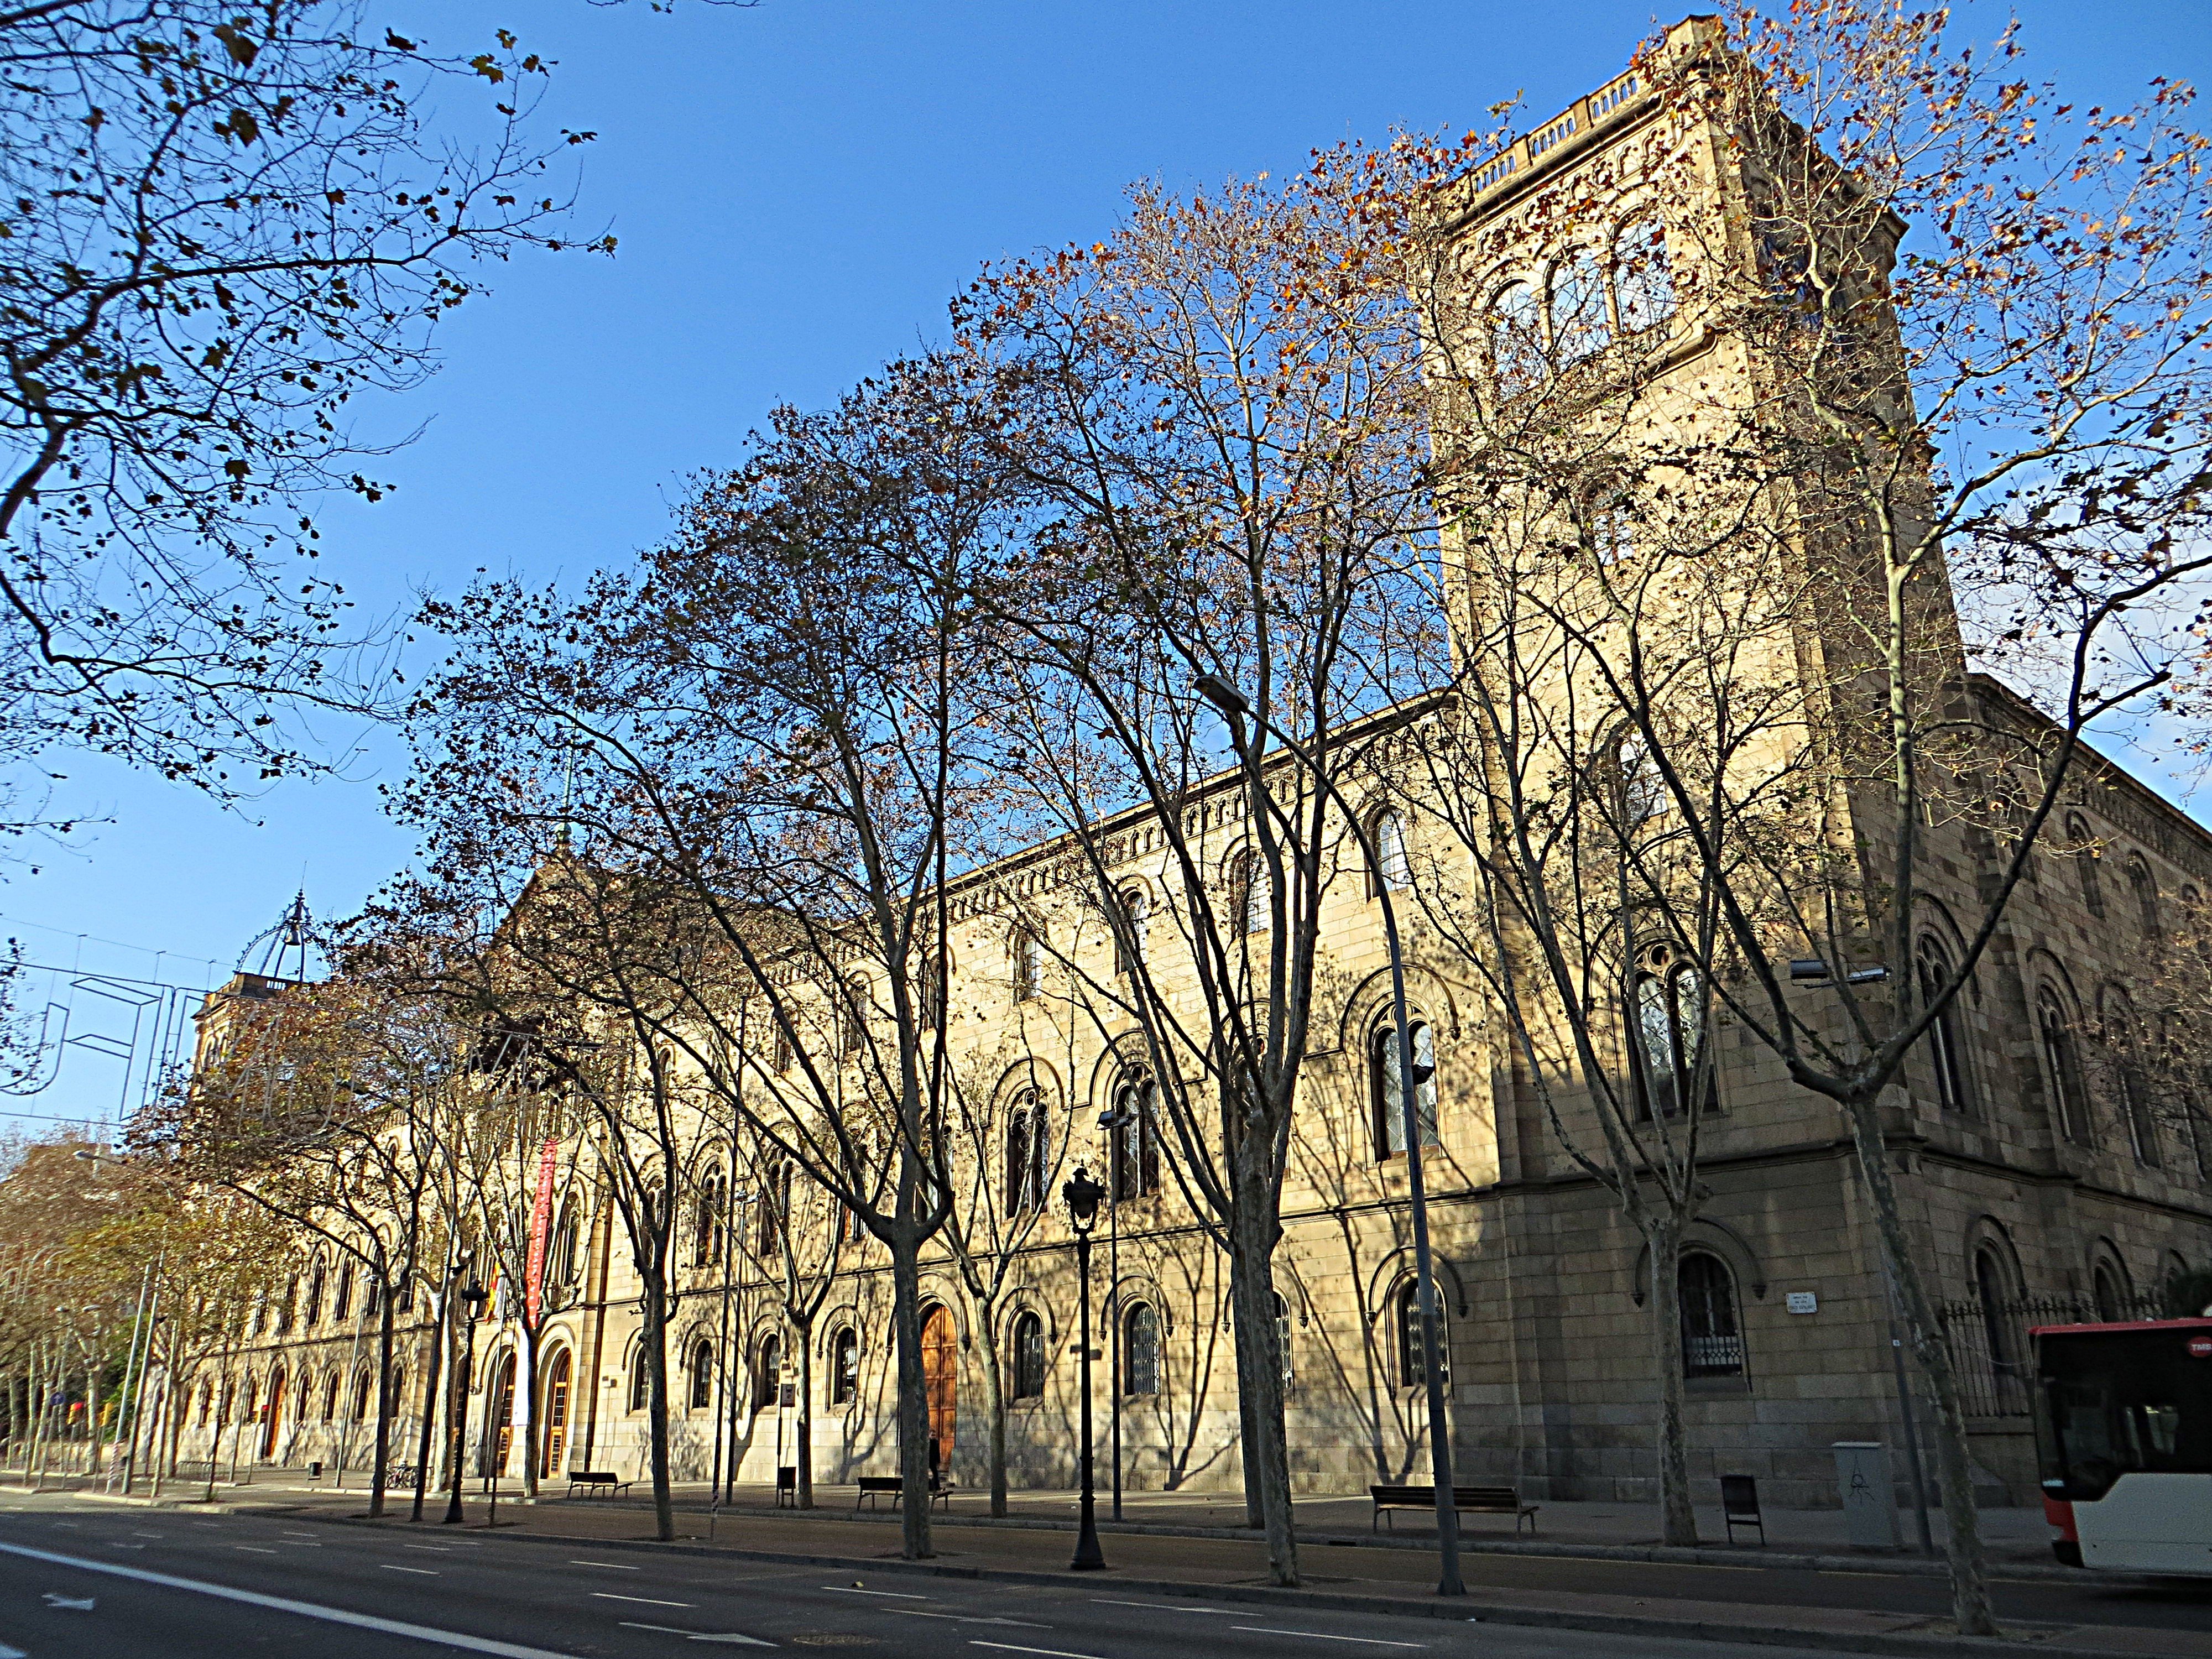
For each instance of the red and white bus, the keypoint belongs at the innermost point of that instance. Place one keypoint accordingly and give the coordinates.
(2124, 1427)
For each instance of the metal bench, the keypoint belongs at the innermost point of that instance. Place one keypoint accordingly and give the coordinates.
(1466, 1500)
(597, 1480)
(873, 1487)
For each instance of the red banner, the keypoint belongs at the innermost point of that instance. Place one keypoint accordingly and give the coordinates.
(541, 1218)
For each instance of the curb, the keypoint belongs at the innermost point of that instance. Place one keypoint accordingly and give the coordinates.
(1903, 1644)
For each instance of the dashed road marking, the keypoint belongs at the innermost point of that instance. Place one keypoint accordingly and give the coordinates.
(897, 1596)
(393, 1566)
(1324, 1636)
(649, 1601)
(619, 1566)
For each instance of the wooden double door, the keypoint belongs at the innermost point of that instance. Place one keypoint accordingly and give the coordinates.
(940, 1381)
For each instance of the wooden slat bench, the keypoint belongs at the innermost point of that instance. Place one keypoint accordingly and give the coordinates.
(597, 1480)
(873, 1487)
(1466, 1500)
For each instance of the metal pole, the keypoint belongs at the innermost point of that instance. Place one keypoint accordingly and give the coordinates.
(130, 1370)
(460, 1412)
(1113, 1313)
(1233, 703)
(138, 1397)
(1088, 1558)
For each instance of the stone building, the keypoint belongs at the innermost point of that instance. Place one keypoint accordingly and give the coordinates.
(2039, 1175)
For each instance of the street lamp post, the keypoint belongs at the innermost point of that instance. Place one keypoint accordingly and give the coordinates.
(1082, 1194)
(1236, 708)
(472, 1301)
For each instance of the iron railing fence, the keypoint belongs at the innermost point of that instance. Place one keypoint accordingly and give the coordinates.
(1990, 1354)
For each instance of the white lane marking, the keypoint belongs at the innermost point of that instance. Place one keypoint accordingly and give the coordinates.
(393, 1566)
(256, 1548)
(701, 1634)
(897, 1596)
(149, 1534)
(1171, 1607)
(7, 1652)
(1323, 1635)
(289, 1533)
(283, 1604)
(619, 1566)
(85, 1604)
(439, 1548)
(649, 1601)
(117, 1544)
(1056, 1653)
(969, 1618)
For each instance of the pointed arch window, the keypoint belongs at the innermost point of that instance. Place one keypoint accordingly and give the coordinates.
(1029, 965)
(641, 1383)
(1672, 1061)
(1140, 1350)
(1028, 1150)
(2133, 1078)
(1134, 908)
(314, 1313)
(2086, 861)
(707, 1220)
(1516, 339)
(1993, 1300)
(364, 1394)
(768, 1373)
(1946, 1040)
(1412, 1362)
(1393, 870)
(1029, 1357)
(699, 1376)
(1136, 1143)
(332, 1385)
(1642, 280)
(1386, 1097)
(1250, 891)
(1712, 1340)
(1580, 326)
(342, 1303)
(2144, 886)
(2061, 1063)
(845, 1366)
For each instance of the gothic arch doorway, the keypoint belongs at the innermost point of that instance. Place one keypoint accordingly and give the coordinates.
(556, 1415)
(940, 1380)
(502, 1413)
(275, 1416)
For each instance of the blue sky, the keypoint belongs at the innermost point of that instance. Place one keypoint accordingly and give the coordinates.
(798, 188)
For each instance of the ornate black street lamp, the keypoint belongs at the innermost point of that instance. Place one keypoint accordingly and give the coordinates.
(1083, 1194)
(472, 1301)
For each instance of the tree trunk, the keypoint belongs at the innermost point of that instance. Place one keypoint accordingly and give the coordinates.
(380, 1457)
(1677, 1521)
(525, 1386)
(1969, 1593)
(994, 1397)
(913, 1413)
(803, 1427)
(1260, 1372)
(652, 1348)
(429, 1413)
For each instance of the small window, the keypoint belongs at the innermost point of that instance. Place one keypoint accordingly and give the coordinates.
(1516, 339)
(641, 1384)
(929, 993)
(364, 1394)
(1029, 1357)
(2086, 859)
(853, 1016)
(1386, 1093)
(1134, 908)
(2000, 1333)
(1670, 1050)
(1395, 870)
(331, 1384)
(1712, 1342)
(2062, 1064)
(1947, 1052)
(1029, 966)
(707, 1222)
(1412, 1352)
(1140, 1351)
(845, 1366)
(398, 1389)
(1136, 1144)
(702, 1375)
(1641, 788)
(2125, 1047)
(2110, 1290)
(342, 1305)
(1251, 893)
(767, 1374)
(1027, 1153)
(2144, 886)
(313, 1314)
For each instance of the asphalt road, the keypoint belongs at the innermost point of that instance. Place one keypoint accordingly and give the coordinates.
(89, 1579)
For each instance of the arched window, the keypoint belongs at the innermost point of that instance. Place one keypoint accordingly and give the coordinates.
(331, 1384)
(853, 1016)
(207, 1402)
(1250, 892)
(2086, 859)
(1580, 326)
(784, 1056)
(1134, 1118)
(1947, 1049)
(1641, 788)
(2124, 1043)
(343, 1303)
(1029, 965)
(1135, 908)
(371, 1298)
(1387, 1105)
(2144, 886)
(2109, 1287)
(2061, 1063)
(561, 1260)
(767, 1374)
(1027, 1152)
(1712, 1341)
(285, 1303)
(703, 1373)
(364, 1394)
(1029, 1357)
(929, 991)
(316, 1276)
(1992, 1296)
(1412, 1362)
(1283, 1340)
(774, 1194)
(707, 1221)
(1642, 280)
(641, 1384)
(398, 1389)
(845, 1366)
(1393, 870)
(1516, 339)
(1140, 1350)
(1670, 1050)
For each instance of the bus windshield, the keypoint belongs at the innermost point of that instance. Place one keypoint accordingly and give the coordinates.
(2114, 1402)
